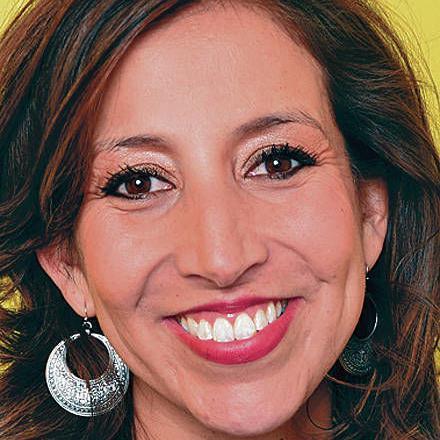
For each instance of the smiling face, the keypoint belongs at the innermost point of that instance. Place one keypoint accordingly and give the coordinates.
(196, 101)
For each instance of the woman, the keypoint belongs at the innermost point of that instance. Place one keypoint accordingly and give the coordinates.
(242, 196)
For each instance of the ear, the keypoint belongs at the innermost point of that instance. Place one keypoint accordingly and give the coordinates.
(374, 211)
(68, 277)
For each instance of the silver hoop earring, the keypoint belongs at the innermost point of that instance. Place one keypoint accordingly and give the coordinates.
(357, 359)
(81, 397)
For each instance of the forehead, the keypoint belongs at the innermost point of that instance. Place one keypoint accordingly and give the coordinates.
(216, 68)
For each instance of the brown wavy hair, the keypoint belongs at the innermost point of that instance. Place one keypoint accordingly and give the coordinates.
(55, 58)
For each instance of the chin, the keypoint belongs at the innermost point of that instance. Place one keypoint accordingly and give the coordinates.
(246, 421)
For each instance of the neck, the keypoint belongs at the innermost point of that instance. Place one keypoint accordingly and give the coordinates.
(157, 418)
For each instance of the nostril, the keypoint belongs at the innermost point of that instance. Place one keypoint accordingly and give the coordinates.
(221, 269)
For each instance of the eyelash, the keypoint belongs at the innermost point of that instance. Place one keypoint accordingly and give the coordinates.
(285, 151)
(127, 172)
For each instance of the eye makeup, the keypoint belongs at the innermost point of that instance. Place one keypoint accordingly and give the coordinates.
(285, 152)
(135, 182)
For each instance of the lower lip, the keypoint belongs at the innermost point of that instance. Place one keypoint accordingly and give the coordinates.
(242, 351)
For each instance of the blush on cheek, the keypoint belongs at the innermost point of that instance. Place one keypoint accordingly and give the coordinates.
(319, 224)
(332, 240)
(116, 264)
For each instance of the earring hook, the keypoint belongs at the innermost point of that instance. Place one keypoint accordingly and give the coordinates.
(87, 325)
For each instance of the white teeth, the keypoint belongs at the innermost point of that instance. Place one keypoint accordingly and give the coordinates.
(184, 323)
(278, 308)
(260, 320)
(223, 331)
(244, 327)
(192, 325)
(204, 330)
(271, 313)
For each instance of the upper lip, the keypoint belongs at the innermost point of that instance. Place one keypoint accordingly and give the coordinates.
(234, 306)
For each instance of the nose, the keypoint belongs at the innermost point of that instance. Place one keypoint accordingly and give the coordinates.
(219, 238)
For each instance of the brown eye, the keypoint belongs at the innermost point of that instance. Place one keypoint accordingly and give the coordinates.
(278, 164)
(137, 184)
(274, 166)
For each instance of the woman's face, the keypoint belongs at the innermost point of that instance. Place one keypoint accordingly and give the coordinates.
(221, 229)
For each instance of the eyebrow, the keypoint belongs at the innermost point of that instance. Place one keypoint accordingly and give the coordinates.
(248, 129)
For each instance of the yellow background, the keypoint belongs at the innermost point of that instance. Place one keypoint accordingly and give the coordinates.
(416, 20)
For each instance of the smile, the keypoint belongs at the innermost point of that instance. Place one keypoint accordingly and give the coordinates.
(235, 338)
(230, 327)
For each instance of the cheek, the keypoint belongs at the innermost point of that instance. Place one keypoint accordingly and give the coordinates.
(319, 227)
(118, 251)
(329, 235)
(319, 224)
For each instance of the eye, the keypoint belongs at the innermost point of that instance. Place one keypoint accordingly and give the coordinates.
(280, 161)
(136, 183)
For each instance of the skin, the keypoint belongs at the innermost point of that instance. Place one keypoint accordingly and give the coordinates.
(215, 232)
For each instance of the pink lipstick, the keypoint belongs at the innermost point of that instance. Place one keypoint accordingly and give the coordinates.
(238, 351)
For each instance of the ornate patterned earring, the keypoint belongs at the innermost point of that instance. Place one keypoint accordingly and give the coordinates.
(357, 358)
(81, 397)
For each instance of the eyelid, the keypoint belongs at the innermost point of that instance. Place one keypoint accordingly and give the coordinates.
(114, 181)
(298, 153)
